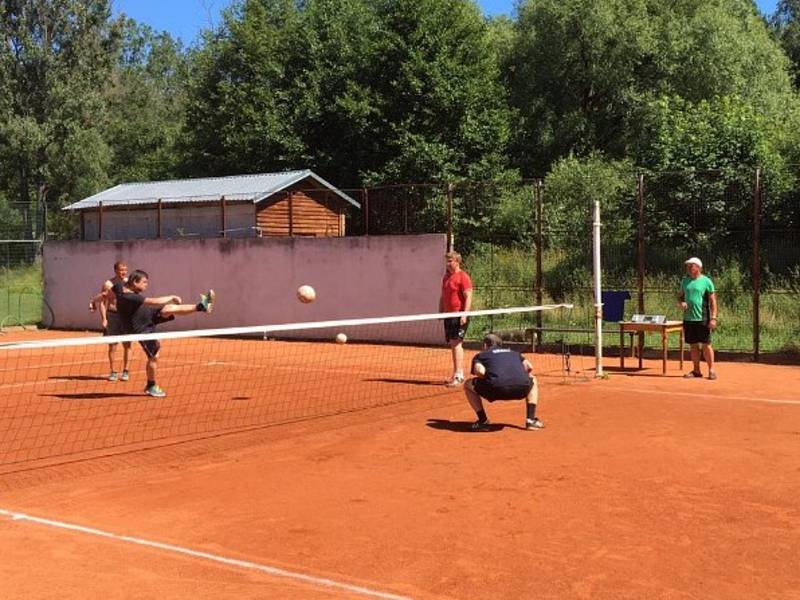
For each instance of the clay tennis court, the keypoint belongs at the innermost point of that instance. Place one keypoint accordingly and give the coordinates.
(641, 486)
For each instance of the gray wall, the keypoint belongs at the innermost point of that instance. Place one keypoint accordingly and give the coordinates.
(256, 279)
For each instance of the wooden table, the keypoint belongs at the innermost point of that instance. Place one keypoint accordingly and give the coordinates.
(664, 328)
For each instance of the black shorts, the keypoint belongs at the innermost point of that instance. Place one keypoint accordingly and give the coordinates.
(696, 332)
(510, 392)
(151, 347)
(115, 324)
(453, 329)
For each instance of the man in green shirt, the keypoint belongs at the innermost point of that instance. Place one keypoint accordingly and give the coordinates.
(698, 299)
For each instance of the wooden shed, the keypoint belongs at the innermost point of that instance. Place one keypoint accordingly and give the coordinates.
(294, 203)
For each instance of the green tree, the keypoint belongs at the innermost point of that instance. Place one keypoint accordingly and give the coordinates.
(704, 156)
(396, 90)
(240, 104)
(54, 61)
(582, 71)
(785, 23)
(146, 97)
(443, 110)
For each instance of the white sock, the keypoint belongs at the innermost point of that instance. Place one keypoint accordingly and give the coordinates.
(460, 374)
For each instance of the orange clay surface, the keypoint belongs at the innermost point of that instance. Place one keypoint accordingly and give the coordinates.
(640, 486)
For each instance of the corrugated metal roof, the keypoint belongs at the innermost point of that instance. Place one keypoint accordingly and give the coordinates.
(242, 188)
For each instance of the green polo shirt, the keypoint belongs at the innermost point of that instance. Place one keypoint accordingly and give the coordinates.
(695, 294)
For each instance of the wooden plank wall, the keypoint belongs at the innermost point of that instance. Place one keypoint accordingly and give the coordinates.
(309, 217)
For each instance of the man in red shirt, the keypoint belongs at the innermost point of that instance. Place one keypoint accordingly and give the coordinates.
(456, 297)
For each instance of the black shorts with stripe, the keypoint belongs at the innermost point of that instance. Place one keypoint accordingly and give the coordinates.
(453, 330)
(696, 332)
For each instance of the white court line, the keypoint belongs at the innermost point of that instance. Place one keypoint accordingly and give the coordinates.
(322, 582)
(700, 395)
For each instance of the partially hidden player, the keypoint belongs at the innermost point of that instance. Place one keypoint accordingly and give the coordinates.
(141, 314)
(501, 374)
(106, 302)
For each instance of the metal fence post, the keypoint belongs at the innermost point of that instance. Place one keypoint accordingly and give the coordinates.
(449, 217)
(757, 265)
(289, 197)
(538, 192)
(222, 216)
(365, 195)
(640, 246)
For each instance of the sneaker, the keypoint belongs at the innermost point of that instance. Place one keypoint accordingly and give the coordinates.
(481, 425)
(155, 391)
(712, 375)
(456, 381)
(693, 375)
(125, 376)
(532, 424)
(207, 301)
(113, 376)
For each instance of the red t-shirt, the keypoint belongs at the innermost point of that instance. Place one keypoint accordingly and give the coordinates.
(454, 288)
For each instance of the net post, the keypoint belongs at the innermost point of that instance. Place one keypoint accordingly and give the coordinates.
(598, 299)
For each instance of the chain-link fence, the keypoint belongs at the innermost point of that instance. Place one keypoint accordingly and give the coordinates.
(530, 243)
(525, 243)
(21, 230)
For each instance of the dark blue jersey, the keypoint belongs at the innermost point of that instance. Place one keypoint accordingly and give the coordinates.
(504, 368)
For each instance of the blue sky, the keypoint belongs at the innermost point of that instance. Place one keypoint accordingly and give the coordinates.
(185, 18)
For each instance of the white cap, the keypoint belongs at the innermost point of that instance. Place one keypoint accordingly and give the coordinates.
(694, 261)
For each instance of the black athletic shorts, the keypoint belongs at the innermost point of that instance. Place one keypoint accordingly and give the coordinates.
(453, 329)
(150, 347)
(115, 324)
(492, 393)
(696, 332)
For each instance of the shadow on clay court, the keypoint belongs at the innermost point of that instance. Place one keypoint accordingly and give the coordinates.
(466, 426)
(636, 372)
(407, 381)
(93, 396)
(79, 378)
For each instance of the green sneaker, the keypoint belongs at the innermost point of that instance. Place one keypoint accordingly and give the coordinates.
(155, 391)
(125, 376)
(113, 376)
(206, 303)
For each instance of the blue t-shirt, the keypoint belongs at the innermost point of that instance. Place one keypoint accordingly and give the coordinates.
(504, 368)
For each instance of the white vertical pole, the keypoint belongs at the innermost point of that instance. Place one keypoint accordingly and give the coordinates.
(598, 298)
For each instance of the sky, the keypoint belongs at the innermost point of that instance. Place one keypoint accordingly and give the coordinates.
(186, 18)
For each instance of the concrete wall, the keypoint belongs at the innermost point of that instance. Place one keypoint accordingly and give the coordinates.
(256, 279)
(176, 222)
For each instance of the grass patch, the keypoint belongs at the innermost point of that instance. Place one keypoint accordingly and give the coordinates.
(20, 295)
(507, 277)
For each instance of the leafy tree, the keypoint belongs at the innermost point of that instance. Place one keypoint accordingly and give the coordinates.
(54, 61)
(396, 90)
(582, 71)
(145, 98)
(239, 113)
(785, 23)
